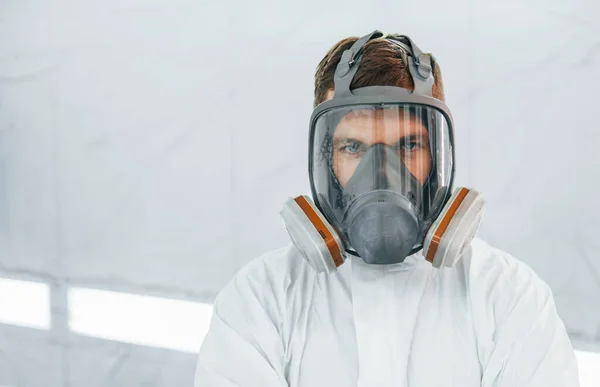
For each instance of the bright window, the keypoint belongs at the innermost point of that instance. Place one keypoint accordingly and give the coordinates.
(24, 303)
(152, 321)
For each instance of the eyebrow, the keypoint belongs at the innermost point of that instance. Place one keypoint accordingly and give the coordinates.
(408, 138)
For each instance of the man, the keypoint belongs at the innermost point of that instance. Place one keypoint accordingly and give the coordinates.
(384, 284)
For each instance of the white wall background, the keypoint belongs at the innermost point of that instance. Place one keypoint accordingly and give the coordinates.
(147, 146)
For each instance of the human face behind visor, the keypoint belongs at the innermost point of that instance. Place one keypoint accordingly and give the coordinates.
(367, 157)
(397, 129)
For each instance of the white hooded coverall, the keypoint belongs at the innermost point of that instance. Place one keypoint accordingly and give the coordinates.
(490, 321)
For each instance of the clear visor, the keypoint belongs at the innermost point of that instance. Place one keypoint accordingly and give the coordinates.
(404, 148)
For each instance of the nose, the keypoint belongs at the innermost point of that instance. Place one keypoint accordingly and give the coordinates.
(380, 171)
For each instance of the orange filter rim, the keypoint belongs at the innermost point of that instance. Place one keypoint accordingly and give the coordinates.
(330, 242)
(441, 229)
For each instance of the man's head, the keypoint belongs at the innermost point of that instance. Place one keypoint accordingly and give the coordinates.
(381, 160)
(383, 64)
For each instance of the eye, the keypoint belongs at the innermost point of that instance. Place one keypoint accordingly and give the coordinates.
(352, 148)
(410, 146)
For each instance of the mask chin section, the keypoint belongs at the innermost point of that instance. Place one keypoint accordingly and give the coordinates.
(382, 227)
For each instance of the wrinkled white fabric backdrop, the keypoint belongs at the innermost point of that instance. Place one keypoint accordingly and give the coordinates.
(146, 147)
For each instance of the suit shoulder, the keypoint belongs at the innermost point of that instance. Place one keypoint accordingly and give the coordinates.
(489, 262)
(266, 275)
(501, 281)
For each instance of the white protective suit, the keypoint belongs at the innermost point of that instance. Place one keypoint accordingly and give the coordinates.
(490, 321)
